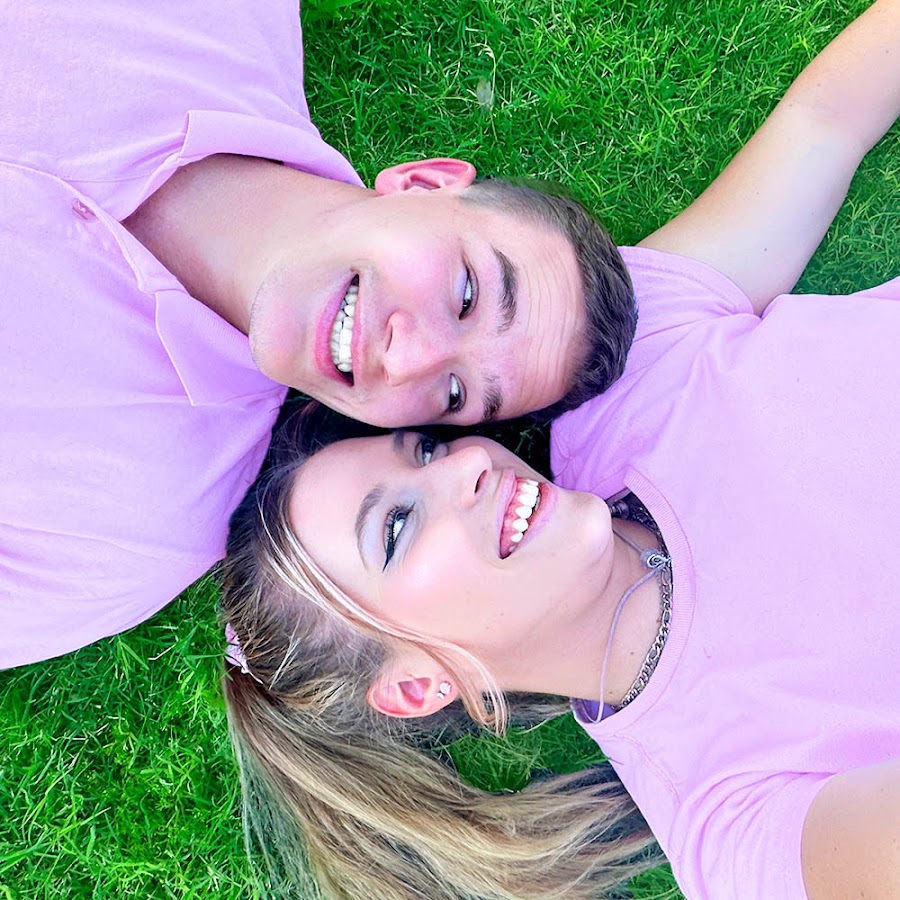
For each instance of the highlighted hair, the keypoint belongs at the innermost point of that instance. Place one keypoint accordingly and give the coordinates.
(344, 802)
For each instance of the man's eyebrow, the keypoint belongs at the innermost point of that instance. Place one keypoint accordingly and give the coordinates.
(508, 291)
(493, 398)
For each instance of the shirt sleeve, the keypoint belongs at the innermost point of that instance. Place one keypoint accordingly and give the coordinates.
(60, 592)
(741, 842)
(675, 290)
(98, 93)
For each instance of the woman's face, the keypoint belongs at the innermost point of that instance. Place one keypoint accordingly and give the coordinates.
(425, 535)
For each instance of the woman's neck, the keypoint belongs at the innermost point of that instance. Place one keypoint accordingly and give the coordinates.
(633, 624)
(568, 656)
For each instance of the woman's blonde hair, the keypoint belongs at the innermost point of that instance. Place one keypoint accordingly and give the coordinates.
(345, 802)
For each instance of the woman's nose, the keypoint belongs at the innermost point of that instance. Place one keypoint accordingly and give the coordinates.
(467, 468)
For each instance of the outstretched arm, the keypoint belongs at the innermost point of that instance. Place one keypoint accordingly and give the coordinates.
(851, 836)
(761, 220)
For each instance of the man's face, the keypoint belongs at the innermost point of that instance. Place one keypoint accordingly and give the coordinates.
(415, 306)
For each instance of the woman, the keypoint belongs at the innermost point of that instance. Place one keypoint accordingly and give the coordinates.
(376, 583)
(326, 772)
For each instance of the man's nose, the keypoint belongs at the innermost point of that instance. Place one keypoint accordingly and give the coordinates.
(466, 470)
(413, 350)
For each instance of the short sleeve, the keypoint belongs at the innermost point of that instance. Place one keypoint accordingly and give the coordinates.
(677, 290)
(741, 842)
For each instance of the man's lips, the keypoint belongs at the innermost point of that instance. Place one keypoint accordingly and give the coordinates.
(342, 332)
(324, 362)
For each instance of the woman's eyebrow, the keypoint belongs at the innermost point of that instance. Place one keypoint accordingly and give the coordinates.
(373, 498)
(370, 501)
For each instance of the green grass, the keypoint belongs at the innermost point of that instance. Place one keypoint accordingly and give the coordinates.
(116, 780)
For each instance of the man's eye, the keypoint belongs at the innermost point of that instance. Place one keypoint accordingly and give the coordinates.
(393, 525)
(457, 397)
(469, 298)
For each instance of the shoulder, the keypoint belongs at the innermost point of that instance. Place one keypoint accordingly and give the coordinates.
(851, 836)
(684, 287)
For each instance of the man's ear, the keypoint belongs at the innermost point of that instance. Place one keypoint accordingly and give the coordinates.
(425, 175)
(407, 691)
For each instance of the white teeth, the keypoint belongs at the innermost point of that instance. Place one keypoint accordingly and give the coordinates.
(529, 500)
(342, 331)
(526, 501)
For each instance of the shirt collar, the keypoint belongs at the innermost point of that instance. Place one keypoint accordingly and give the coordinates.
(297, 144)
(212, 357)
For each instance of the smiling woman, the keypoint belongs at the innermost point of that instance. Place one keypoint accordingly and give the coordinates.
(422, 532)
(348, 642)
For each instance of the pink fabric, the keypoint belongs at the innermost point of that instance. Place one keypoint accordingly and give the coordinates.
(767, 450)
(132, 419)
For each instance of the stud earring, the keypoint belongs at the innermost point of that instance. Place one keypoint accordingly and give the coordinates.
(444, 689)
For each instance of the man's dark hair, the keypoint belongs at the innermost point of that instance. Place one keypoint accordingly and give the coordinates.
(609, 297)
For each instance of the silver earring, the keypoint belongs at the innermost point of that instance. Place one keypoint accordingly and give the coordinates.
(444, 689)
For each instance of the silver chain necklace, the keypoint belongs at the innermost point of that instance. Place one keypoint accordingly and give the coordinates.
(631, 509)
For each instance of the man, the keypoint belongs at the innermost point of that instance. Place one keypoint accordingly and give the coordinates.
(165, 197)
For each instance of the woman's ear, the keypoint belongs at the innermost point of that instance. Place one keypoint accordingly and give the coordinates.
(425, 175)
(407, 692)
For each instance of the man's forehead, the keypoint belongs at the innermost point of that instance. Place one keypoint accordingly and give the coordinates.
(535, 364)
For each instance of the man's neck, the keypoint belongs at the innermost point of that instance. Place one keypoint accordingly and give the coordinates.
(221, 224)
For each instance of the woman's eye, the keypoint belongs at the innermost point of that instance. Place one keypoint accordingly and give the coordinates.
(457, 396)
(393, 525)
(426, 448)
(468, 300)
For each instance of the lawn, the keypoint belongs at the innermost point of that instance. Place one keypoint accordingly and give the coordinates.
(116, 779)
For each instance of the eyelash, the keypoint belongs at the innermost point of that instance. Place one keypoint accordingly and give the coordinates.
(396, 515)
(399, 514)
(455, 405)
(472, 285)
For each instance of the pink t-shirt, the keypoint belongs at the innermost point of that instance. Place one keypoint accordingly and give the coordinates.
(132, 418)
(768, 450)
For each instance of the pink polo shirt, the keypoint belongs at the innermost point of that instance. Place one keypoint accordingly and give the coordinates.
(132, 418)
(768, 451)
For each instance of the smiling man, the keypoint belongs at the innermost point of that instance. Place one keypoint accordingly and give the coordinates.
(178, 244)
(429, 299)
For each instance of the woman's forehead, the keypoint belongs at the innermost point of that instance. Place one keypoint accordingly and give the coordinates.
(336, 472)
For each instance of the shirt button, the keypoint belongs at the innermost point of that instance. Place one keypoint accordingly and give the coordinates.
(82, 211)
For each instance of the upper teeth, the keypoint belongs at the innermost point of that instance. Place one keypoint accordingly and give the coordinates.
(526, 501)
(342, 331)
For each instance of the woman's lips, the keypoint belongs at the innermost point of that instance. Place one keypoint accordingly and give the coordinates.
(519, 514)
